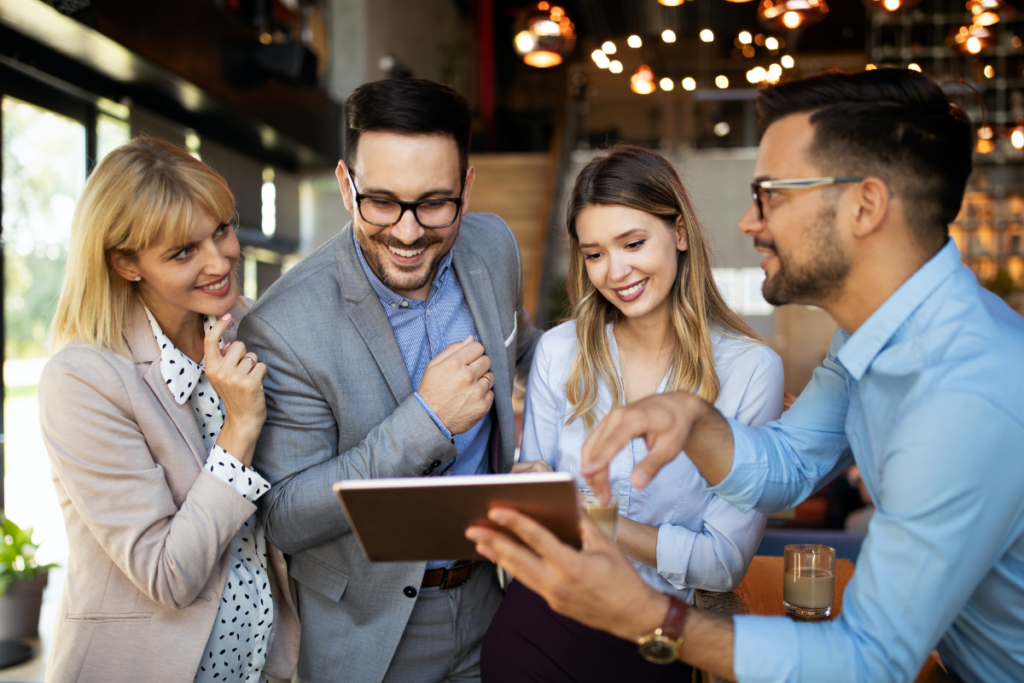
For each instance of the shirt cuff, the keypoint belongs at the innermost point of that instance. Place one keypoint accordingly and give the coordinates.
(675, 545)
(765, 649)
(437, 421)
(742, 486)
(245, 481)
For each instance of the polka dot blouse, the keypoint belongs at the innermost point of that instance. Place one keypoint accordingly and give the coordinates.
(237, 647)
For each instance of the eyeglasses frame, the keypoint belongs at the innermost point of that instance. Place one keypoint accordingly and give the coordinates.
(405, 206)
(794, 184)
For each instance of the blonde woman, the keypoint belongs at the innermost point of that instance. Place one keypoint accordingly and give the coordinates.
(647, 318)
(150, 414)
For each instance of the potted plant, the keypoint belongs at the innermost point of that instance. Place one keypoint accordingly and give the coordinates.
(22, 581)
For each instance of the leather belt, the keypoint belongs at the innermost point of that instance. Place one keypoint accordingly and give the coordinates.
(448, 577)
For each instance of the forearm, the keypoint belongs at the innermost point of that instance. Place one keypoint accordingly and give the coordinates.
(708, 638)
(639, 541)
(709, 444)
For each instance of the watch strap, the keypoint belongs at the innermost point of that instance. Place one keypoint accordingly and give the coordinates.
(675, 620)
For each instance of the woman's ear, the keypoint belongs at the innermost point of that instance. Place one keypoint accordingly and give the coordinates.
(682, 243)
(122, 265)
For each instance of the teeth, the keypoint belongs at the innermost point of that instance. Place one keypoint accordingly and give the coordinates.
(634, 289)
(216, 285)
(407, 253)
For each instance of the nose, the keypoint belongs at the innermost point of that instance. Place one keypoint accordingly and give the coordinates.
(750, 224)
(619, 267)
(215, 260)
(407, 230)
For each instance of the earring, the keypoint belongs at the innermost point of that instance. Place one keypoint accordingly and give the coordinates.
(137, 279)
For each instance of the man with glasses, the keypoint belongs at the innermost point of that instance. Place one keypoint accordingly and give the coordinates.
(857, 178)
(391, 352)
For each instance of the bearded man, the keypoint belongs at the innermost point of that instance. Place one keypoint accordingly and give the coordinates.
(391, 352)
(857, 178)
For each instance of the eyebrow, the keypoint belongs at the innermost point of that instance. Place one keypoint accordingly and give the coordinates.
(616, 239)
(379, 192)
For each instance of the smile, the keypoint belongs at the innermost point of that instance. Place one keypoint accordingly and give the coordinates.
(217, 287)
(406, 253)
(632, 291)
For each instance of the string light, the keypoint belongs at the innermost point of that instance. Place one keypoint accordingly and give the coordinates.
(722, 82)
(634, 41)
(615, 67)
(689, 84)
(668, 35)
(608, 47)
(745, 37)
(707, 35)
(600, 58)
(771, 43)
(788, 62)
(914, 67)
(666, 84)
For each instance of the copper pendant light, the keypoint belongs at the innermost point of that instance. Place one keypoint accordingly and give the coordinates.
(543, 35)
(779, 15)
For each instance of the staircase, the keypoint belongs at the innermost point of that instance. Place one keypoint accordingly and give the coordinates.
(518, 187)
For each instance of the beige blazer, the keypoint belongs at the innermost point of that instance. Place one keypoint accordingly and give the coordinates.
(148, 529)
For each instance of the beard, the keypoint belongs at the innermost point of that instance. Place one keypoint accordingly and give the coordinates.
(816, 280)
(400, 278)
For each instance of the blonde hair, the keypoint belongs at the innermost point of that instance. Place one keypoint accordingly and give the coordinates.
(143, 192)
(640, 179)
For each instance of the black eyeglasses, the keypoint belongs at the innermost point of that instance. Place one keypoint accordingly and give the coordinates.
(763, 186)
(385, 212)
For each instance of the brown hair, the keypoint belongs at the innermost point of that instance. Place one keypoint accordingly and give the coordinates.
(144, 191)
(641, 179)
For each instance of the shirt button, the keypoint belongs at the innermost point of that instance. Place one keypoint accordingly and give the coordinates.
(409, 591)
(428, 311)
(405, 304)
(436, 463)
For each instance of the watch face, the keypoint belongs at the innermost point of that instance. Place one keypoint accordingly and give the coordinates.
(659, 649)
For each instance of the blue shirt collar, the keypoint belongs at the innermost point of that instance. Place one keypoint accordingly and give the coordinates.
(386, 295)
(864, 345)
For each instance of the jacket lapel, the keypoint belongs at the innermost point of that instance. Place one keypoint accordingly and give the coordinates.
(144, 351)
(370, 320)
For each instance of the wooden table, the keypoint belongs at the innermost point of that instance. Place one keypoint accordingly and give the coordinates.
(760, 592)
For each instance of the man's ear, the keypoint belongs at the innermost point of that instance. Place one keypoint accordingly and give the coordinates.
(871, 204)
(682, 241)
(468, 190)
(345, 185)
(122, 265)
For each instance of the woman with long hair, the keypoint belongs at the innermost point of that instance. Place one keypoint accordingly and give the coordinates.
(150, 413)
(646, 318)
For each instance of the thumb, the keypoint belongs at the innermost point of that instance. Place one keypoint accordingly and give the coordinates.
(593, 537)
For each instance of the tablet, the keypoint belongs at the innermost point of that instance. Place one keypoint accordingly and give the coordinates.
(425, 518)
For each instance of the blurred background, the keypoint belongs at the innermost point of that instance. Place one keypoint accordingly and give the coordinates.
(255, 88)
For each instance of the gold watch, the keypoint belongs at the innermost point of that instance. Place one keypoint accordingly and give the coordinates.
(662, 646)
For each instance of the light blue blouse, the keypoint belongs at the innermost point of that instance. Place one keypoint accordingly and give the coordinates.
(703, 541)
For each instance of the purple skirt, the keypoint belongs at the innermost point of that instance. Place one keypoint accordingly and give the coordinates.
(528, 641)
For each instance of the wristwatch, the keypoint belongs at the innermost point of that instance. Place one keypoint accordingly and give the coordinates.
(663, 644)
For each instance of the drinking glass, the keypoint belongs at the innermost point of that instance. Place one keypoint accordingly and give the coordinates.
(809, 581)
(605, 516)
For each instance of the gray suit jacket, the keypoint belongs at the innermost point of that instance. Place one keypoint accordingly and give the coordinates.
(340, 406)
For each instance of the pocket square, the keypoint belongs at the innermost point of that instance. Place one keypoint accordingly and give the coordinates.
(515, 328)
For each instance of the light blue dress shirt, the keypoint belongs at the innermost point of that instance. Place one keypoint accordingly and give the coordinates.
(927, 397)
(703, 541)
(424, 329)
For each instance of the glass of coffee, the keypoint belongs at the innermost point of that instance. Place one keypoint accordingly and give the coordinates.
(808, 587)
(605, 516)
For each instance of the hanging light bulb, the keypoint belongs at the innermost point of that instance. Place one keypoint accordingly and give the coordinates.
(788, 62)
(608, 47)
(985, 11)
(1017, 138)
(667, 84)
(970, 39)
(776, 15)
(668, 35)
(707, 35)
(615, 67)
(543, 35)
(642, 81)
(745, 38)
(670, 3)
(722, 82)
(891, 5)
(634, 41)
(689, 84)
(771, 43)
(600, 58)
